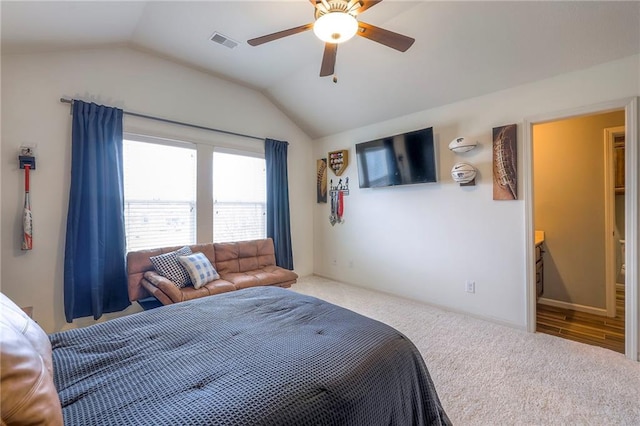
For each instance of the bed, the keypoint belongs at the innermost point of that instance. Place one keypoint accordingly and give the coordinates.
(258, 356)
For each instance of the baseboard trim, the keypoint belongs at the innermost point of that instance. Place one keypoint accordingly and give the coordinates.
(490, 319)
(573, 306)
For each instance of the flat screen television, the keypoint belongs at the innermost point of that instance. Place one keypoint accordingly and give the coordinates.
(402, 159)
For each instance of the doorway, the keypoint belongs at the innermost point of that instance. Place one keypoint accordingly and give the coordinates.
(595, 298)
(574, 207)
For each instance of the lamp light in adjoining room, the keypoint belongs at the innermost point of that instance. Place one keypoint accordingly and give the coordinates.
(335, 27)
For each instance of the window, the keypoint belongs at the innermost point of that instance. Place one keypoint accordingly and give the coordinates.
(159, 195)
(161, 183)
(239, 197)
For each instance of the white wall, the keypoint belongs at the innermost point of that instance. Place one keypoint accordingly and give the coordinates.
(32, 85)
(425, 241)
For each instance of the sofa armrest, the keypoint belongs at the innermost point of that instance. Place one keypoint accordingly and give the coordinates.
(155, 292)
(167, 287)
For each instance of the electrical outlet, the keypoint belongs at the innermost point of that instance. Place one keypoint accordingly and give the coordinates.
(470, 287)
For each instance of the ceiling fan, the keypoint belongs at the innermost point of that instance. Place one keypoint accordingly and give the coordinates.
(335, 22)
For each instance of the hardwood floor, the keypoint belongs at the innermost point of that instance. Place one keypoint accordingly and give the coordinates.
(583, 327)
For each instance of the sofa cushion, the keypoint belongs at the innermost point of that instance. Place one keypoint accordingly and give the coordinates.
(200, 270)
(242, 256)
(268, 275)
(168, 266)
(219, 286)
(28, 393)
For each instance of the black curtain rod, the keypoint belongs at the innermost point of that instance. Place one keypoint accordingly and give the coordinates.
(164, 120)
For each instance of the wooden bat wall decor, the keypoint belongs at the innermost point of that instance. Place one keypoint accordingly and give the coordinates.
(28, 163)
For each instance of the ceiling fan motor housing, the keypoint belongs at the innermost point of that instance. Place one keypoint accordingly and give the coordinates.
(337, 6)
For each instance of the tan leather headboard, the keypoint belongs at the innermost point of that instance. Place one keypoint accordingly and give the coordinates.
(28, 394)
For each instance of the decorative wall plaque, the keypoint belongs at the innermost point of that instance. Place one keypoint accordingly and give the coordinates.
(505, 165)
(321, 180)
(338, 161)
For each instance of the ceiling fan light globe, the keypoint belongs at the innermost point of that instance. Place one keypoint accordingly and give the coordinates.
(335, 27)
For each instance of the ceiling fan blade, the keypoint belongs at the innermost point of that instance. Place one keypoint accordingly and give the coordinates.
(366, 5)
(275, 36)
(386, 37)
(329, 59)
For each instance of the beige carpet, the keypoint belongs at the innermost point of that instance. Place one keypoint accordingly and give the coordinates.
(489, 374)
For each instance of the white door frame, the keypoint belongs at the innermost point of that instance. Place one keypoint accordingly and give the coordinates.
(632, 218)
(610, 242)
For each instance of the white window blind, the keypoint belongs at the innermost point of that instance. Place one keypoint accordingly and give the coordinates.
(239, 197)
(159, 195)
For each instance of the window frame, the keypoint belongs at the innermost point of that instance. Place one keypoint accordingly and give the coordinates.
(204, 172)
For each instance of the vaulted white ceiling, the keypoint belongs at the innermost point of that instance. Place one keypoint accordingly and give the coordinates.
(462, 49)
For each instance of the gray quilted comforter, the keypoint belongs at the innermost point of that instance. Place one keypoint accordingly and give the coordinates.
(259, 356)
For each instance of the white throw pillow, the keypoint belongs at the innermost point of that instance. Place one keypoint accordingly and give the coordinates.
(200, 270)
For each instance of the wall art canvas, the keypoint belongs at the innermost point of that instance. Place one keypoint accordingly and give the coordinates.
(321, 180)
(505, 163)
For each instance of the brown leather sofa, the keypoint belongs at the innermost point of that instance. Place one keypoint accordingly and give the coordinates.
(240, 265)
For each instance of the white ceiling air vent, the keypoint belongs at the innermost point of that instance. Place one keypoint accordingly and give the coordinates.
(223, 40)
